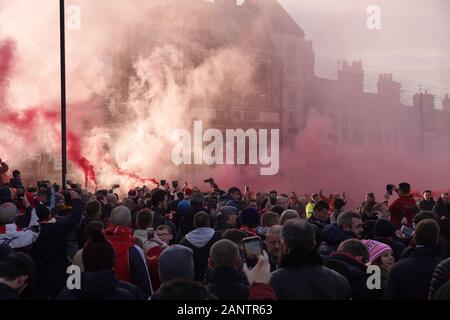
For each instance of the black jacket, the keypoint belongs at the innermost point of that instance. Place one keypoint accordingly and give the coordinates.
(226, 284)
(7, 293)
(410, 278)
(441, 275)
(80, 231)
(332, 236)
(50, 252)
(201, 256)
(356, 274)
(426, 205)
(102, 285)
(443, 210)
(304, 277)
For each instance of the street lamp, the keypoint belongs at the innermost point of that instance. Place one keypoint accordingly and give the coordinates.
(62, 29)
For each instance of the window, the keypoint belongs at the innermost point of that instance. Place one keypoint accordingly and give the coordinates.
(291, 58)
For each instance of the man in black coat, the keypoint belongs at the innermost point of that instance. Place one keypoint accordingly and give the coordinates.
(349, 225)
(427, 202)
(411, 277)
(225, 281)
(302, 275)
(442, 209)
(50, 249)
(200, 240)
(16, 273)
(350, 261)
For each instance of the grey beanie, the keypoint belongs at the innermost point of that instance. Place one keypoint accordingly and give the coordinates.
(176, 262)
(8, 212)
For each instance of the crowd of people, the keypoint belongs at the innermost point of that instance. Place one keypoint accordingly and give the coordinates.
(177, 242)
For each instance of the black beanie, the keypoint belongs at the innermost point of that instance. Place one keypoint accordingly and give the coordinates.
(98, 254)
(384, 228)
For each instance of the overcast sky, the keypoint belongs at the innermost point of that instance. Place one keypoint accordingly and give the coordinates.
(413, 43)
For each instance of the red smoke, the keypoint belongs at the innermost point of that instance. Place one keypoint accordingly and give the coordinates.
(75, 155)
(130, 174)
(6, 62)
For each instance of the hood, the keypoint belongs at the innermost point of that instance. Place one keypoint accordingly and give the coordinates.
(334, 234)
(200, 236)
(96, 285)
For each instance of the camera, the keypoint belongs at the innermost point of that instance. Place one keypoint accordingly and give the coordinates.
(390, 188)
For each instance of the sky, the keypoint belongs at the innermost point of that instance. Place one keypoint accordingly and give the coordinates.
(413, 42)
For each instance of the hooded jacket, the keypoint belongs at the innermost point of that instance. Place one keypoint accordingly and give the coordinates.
(443, 210)
(200, 241)
(131, 264)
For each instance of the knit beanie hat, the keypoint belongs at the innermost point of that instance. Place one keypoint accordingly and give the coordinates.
(384, 228)
(250, 217)
(376, 249)
(98, 253)
(8, 212)
(176, 262)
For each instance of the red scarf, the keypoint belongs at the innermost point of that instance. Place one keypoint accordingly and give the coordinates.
(122, 240)
(250, 231)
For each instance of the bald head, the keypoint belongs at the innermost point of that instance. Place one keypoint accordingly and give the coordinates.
(121, 216)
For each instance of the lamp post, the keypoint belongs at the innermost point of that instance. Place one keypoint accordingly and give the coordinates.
(62, 28)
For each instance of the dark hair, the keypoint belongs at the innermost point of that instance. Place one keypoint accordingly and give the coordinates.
(269, 219)
(201, 219)
(314, 195)
(299, 235)
(404, 187)
(427, 233)
(235, 236)
(158, 196)
(355, 248)
(346, 218)
(180, 289)
(233, 190)
(93, 207)
(339, 203)
(371, 194)
(426, 214)
(42, 212)
(321, 205)
(144, 219)
(15, 265)
(16, 173)
(278, 210)
(427, 191)
(224, 254)
(94, 230)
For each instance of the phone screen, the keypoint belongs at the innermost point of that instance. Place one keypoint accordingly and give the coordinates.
(253, 249)
(407, 231)
(163, 182)
(175, 184)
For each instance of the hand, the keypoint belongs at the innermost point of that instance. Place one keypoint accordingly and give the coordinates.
(404, 220)
(261, 272)
(443, 218)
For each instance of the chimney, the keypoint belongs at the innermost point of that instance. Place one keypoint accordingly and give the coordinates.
(351, 76)
(426, 98)
(446, 103)
(389, 89)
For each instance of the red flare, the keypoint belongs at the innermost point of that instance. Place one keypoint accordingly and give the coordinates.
(130, 174)
(75, 155)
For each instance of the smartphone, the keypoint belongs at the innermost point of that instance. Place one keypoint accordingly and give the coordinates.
(163, 182)
(253, 249)
(20, 192)
(407, 231)
(174, 184)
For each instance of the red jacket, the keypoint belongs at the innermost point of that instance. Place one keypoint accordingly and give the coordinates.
(261, 291)
(403, 206)
(122, 240)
